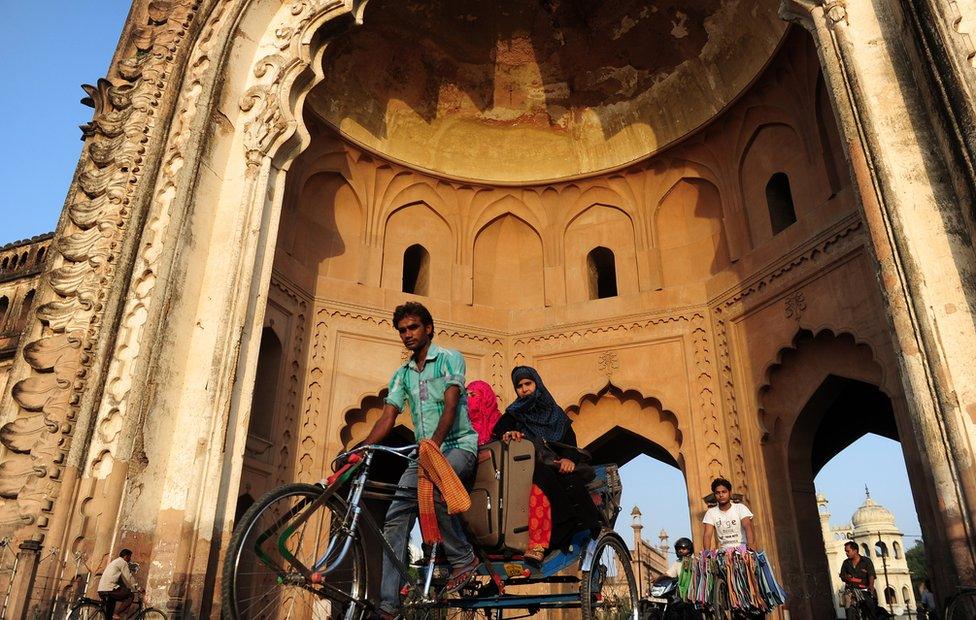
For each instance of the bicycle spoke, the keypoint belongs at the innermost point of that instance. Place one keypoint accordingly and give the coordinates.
(260, 586)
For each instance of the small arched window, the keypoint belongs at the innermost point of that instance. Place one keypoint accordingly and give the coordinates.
(602, 273)
(40, 254)
(865, 551)
(4, 306)
(26, 306)
(5, 263)
(416, 270)
(779, 200)
(23, 258)
(906, 595)
(896, 549)
(880, 549)
(890, 596)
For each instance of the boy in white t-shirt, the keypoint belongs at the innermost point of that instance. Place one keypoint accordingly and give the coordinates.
(728, 524)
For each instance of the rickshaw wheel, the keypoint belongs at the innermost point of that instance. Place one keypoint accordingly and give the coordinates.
(609, 590)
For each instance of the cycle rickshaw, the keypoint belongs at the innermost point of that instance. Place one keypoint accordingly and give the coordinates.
(313, 551)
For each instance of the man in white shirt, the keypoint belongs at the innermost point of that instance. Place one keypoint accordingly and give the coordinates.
(117, 584)
(728, 524)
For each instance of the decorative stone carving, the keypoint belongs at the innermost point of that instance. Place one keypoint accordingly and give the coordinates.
(794, 305)
(706, 397)
(607, 363)
(69, 317)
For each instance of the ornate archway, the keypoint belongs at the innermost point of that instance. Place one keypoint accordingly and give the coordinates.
(823, 393)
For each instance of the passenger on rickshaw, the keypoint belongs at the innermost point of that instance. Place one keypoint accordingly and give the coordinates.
(482, 409)
(560, 504)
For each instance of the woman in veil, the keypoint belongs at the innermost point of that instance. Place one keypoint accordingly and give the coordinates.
(560, 505)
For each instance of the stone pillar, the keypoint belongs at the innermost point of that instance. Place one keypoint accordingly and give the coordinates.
(917, 219)
(23, 579)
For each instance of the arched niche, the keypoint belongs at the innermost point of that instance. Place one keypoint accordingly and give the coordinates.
(833, 152)
(418, 224)
(600, 226)
(773, 149)
(689, 233)
(358, 420)
(266, 386)
(265, 446)
(323, 230)
(601, 273)
(508, 265)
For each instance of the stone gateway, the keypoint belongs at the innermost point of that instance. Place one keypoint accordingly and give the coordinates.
(734, 236)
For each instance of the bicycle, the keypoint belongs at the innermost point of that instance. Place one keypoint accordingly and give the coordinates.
(301, 551)
(865, 607)
(962, 604)
(91, 609)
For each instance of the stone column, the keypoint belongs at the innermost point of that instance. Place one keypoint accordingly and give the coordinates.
(23, 580)
(915, 215)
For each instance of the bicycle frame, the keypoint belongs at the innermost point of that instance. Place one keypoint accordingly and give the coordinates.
(354, 518)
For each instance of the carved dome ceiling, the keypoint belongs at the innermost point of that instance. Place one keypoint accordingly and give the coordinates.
(520, 91)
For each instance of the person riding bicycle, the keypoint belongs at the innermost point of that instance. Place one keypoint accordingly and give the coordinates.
(432, 382)
(117, 585)
(857, 573)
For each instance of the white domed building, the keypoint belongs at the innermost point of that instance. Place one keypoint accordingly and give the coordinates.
(873, 528)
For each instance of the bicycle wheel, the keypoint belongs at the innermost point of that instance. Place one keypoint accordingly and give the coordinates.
(87, 611)
(260, 583)
(150, 613)
(609, 590)
(962, 606)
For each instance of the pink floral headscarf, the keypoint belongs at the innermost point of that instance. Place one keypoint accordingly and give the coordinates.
(482, 409)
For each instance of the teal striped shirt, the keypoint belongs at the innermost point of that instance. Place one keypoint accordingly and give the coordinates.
(424, 391)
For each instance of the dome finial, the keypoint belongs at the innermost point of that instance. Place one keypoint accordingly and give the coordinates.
(867, 491)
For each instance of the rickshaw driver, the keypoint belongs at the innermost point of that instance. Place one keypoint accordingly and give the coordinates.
(432, 381)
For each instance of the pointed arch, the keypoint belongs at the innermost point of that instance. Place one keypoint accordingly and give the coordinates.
(600, 415)
(690, 239)
(600, 226)
(508, 265)
(418, 225)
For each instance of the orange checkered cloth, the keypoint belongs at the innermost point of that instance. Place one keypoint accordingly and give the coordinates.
(436, 471)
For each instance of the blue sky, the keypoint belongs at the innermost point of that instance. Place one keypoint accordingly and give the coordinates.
(48, 56)
(659, 489)
(49, 50)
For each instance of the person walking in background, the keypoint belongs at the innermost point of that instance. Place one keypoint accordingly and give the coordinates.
(926, 601)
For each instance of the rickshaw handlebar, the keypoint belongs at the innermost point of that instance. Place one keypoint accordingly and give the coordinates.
(406, 452)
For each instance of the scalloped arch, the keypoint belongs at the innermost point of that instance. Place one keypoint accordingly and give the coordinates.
(641, 415)
(358, 419)
(872, 370)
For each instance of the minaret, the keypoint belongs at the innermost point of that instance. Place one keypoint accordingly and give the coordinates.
(824, 512)
(638, 525)
(663, 537)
